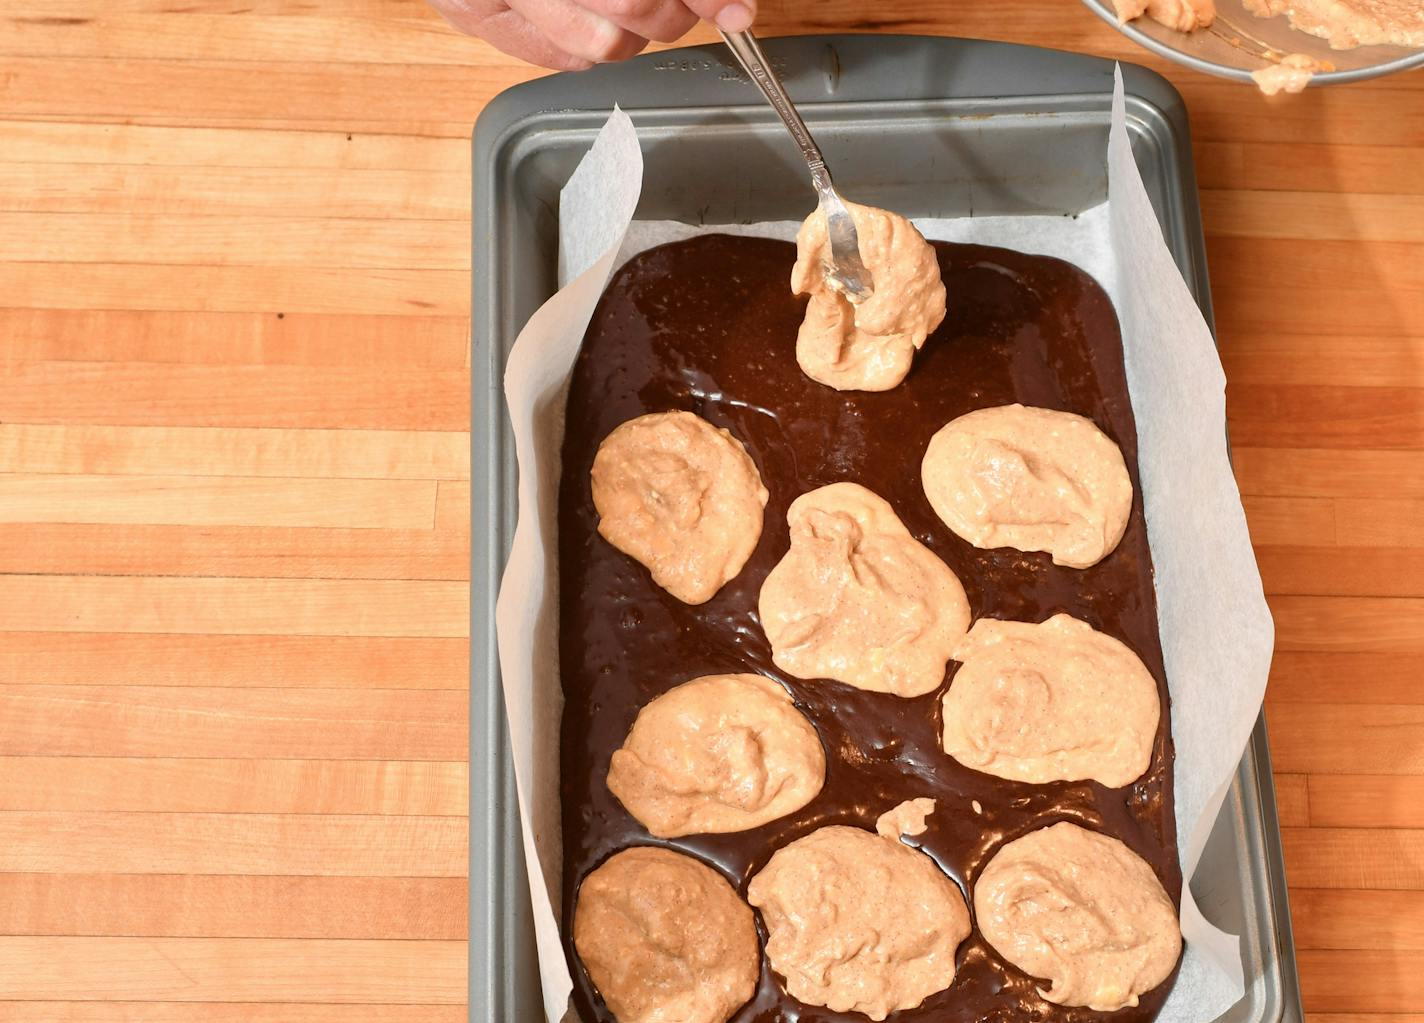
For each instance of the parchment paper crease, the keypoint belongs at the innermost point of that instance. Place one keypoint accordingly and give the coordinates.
(1217, 634)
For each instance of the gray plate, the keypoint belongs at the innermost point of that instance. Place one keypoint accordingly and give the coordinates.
(1233, 46)
(928, 127)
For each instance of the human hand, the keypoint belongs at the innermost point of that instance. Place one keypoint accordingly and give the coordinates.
(570, 35)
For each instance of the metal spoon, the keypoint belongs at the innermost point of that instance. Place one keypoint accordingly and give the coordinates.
(846, 273)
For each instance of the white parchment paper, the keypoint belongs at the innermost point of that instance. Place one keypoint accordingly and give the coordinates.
(1216, 631)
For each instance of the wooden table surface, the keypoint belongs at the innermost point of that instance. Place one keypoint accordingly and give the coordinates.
(234, 515)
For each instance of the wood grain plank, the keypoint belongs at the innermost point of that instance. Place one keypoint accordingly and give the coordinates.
(1349, 623)
(1326, 919)
(1303, 472)
(223, 1012)
(233, 969)
(237, 551)
(1324, 417)
(1277, 521)
(184, 394)
(1359, 981)
(275, 607)
(1380, 523)
(1293, 799)
(1382, 116)
(260, 193)
(1325, 263)
(1307, 167)
(235, 451)
(1367, 801)
(1336, 858)
(209, 843)
(29, 141)
(323, 662)
(211, 341)
(1346, 738)
(260, 289)
(221, 241)
(214, 785)
(307, 93)
(1344, 571)
(217, 501)
(195, 905)
(188, 721)
(452, 507)
(439, 130)
(193, 89)
(1346, 360)
(1249, 304)
(345, 37)
(1349, 676)
(1314, 216)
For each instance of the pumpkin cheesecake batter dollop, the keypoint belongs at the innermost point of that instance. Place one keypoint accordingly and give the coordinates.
(1058, 701)
(860, 600)
(867, 346)
(680, 496)
(1030, 478)
(664, 937)
(858, 922)
(1081, 910)
(720, 753)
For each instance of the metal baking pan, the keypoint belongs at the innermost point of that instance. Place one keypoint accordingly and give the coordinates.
(925, 126)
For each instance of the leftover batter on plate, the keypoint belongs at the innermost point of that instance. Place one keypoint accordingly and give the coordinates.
(1182, 15)
(1346, 24)
(1291, 75)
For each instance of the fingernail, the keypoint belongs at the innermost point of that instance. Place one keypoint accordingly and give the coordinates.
(734, 18)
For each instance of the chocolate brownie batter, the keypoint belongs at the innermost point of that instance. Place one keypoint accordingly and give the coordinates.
(709, 325)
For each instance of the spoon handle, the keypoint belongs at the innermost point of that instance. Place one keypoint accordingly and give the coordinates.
(748, 51)
(845, 272)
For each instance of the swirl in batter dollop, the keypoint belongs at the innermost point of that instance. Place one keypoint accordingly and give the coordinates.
(858, 922)
(1058, 701)
(868, 345)
(680, 496)
(860, 600)
(1081, 910)
(1029, 478)
(720, 753)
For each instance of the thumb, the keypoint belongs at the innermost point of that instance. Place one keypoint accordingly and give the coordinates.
(728, 15)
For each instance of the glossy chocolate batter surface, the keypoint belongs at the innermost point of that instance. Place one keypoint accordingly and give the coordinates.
(709, 325)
